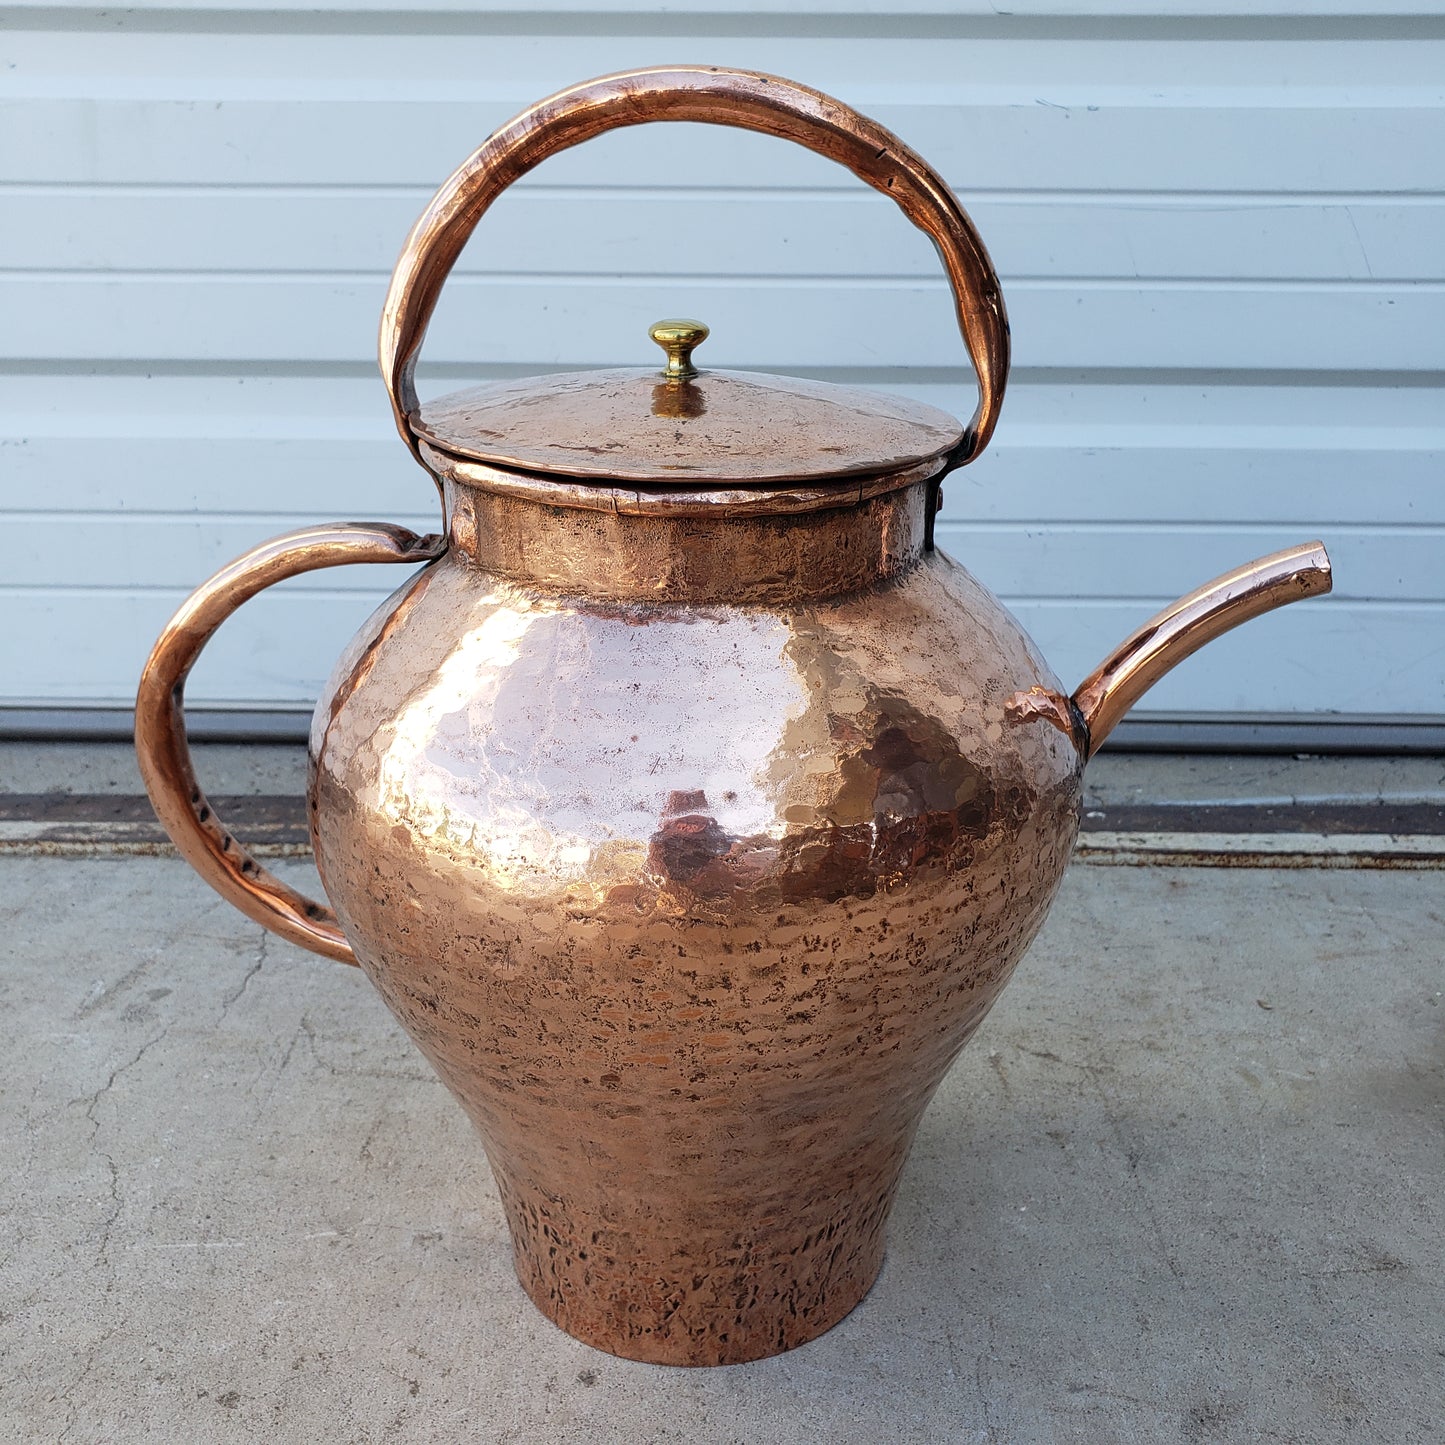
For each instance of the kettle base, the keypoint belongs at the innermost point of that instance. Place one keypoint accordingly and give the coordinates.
(722, 1296)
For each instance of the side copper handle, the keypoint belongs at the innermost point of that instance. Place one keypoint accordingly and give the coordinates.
(1186, 625)
(746, 99)
(160, 724)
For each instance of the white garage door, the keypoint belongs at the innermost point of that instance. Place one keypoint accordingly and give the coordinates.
(1221, 236)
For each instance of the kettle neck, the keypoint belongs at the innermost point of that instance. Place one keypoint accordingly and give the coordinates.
(735, 548)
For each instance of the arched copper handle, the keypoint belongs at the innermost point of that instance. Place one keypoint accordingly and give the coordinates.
(160, 724)
(742, 98)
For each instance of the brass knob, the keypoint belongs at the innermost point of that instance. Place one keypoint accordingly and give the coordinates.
(678, 338)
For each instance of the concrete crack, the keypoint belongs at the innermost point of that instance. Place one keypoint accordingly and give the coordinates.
(980, 1381)
(262, 952)
(280, 1071)
(103, 993)
(92, 1103)
(1131, 1158)
(338, 1072)
(72, 1409)
(364, 1153)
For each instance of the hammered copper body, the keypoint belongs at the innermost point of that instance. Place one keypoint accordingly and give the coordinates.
(689, 833)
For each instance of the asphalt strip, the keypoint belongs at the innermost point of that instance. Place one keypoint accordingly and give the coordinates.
(1364, 834)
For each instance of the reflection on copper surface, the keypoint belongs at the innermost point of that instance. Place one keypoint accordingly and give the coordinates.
(474, 758)
(679, 399)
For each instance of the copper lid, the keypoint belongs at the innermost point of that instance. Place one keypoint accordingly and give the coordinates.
(678, 424)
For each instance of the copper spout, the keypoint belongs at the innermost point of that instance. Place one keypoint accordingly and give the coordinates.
(1185, 626)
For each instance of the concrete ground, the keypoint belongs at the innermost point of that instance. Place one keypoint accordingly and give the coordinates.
(1187, 1184)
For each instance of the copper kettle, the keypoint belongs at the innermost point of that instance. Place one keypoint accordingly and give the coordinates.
(687, 806)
